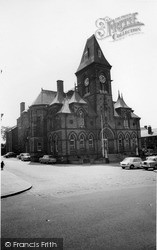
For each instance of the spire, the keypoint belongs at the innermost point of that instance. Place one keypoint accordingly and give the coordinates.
(120, 102)
(92, 53)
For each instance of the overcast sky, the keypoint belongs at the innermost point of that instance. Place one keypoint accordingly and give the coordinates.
(42, 41)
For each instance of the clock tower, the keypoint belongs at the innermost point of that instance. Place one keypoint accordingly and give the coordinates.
(94, 80)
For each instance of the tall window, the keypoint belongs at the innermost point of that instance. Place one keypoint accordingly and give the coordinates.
(82, 141)
(120, 143)
(127, 144)
(39, 146)
(134, 142)
(56, 144)
(72, 142)
(91, 142)
(81, 119)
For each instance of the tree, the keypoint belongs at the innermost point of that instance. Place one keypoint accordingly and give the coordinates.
(4, 131)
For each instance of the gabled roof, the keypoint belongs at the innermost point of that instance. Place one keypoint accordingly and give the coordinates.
(76, 98)
(44, 98)
(92, 53)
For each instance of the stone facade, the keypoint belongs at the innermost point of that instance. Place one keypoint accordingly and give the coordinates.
(84, 123)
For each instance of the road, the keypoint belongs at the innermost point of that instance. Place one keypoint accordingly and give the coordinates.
(97, 207)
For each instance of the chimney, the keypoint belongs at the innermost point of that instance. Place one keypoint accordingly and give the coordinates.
(149, 130)
(22, 107)
(60, 87)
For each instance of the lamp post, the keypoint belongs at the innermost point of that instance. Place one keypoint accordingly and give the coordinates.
(137, 153)
(104, 143)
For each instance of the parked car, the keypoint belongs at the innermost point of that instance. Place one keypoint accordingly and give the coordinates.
(47, 159)
(25, 157)
(150, 162)
(20, 155)
(9, 154)
(131, 162)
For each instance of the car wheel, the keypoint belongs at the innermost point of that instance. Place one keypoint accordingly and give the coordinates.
(131, 166)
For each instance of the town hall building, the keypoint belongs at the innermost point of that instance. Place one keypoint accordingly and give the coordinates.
(84, 123)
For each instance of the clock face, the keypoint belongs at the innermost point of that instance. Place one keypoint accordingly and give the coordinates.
(86, 82)
(102, 78)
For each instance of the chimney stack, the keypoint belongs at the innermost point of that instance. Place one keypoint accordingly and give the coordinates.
(22, 107)
(60, 87)
(149, 130)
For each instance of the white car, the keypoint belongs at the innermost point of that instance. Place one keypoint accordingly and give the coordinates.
(25, 157)
(131, 162)
(150, 162)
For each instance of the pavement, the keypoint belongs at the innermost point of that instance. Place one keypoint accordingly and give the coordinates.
(11, 184)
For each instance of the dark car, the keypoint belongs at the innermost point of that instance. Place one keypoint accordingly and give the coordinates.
(9, 154)
(47, 159)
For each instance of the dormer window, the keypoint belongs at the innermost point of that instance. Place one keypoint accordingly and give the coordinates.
(86, 54)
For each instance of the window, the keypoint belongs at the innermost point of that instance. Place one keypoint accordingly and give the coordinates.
(91, 142)
(39, 148)
(127, 145)
(72, 142)
(82, 141)
(81, 119)
(120, 143)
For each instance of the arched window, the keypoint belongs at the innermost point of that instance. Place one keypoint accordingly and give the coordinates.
(91, 142)
(120, 143)
(82, 141)
(81, 118)
(72, 141)
(127, 143)
(134, 142)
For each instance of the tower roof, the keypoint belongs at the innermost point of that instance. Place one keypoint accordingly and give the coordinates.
(76, 98)
(92, 53)
(44, 98)
(120, 103)
(65, 108)
(59, 99)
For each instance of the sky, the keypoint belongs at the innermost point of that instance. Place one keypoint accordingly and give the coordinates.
(42, 41)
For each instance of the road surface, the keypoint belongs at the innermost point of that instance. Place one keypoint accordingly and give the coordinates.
(89, 206)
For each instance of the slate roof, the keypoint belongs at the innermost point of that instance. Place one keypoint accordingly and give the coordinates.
(44, 98)
(120, 103)
(144, 132)
(59, 99)
(65, 108)
(91, 54)
(76, 98)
